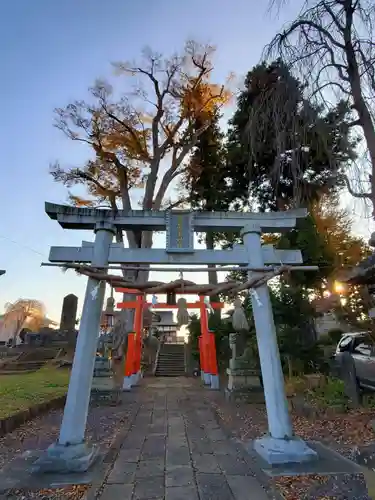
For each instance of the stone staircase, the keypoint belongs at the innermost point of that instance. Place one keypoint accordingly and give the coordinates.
(29, 360)
(171, 361)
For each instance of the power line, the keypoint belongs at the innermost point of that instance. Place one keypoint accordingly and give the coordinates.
(21, 245)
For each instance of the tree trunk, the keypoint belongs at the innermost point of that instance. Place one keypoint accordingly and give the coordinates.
(359, 101)
(127, 315)
(212, 275)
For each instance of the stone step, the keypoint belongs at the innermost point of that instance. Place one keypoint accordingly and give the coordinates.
(170, 367)
(170, 370)
(173, 361)
(174, 369)
(171, 356)
(179, 358)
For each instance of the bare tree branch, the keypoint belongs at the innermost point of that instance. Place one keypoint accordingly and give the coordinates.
(331, 46)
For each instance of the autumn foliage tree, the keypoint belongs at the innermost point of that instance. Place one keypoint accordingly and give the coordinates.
(143, 137)
(22, 311)
(140, 138)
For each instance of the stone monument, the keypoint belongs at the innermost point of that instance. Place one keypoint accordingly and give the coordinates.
(103, 388)
(69, 313)
(244, 378)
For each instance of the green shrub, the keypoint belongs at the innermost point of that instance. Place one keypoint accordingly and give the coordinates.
(330, 394)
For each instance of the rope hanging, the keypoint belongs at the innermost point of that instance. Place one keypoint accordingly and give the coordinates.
(232, 288)
(184, 286)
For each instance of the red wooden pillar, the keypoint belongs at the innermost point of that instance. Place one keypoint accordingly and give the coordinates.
(210, 369)
(138, 327)
(205, 342)
(134, 350)
(129, 362)
(201, 356)
(213, 362)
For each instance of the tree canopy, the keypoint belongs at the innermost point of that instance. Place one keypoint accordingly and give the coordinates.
(283, 150)
(206, 178)
(330, 45)
(141, 138)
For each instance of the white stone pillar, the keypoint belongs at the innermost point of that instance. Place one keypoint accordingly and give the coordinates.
(70, 453)
(280, 446)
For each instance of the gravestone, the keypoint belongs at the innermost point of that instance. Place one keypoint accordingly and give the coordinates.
(103, 388)
(69, 313)
(243, 374)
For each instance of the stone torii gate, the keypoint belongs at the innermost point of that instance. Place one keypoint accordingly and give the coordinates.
(280, 445)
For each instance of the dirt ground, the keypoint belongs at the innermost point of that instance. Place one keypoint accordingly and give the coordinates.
(342, 432)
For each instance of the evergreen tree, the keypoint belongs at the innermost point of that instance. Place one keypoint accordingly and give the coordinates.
(285, 152)
(282, 150)
(206, 179)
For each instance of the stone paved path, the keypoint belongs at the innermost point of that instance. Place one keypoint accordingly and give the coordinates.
(175, 450)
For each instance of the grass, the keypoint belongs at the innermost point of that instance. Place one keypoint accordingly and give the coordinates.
(20, 392)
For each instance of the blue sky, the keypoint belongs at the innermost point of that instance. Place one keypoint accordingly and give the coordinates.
(51, 52)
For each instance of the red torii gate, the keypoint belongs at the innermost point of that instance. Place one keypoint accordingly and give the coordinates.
(207, 347)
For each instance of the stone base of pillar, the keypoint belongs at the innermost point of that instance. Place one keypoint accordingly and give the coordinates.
(206, 378)
(284, 451)
(137, 377)
(65, 459)
(215, 384)
(127, 383)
